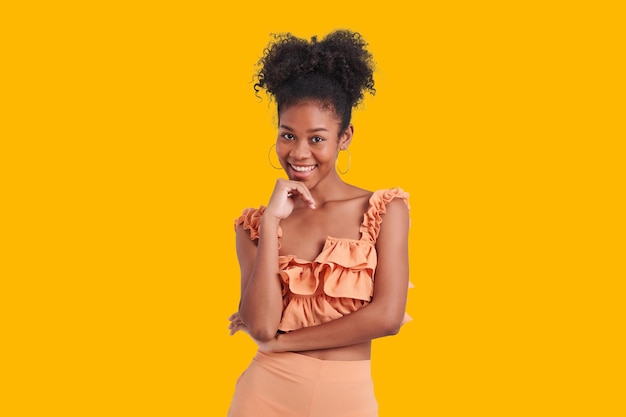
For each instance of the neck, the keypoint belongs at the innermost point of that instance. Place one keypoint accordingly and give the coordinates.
(331, 188)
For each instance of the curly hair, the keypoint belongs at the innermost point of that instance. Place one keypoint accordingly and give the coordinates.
(335, 71)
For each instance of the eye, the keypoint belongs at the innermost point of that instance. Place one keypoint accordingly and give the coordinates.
(317, 139)
(287, 136)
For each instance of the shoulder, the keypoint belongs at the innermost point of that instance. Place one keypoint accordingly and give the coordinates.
(250, 220)
(385, 199)
(389, 206)
(394, 221)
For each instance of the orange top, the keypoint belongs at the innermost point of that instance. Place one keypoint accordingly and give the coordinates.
(340, 280)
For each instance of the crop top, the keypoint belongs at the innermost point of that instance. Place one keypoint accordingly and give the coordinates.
(340, 280)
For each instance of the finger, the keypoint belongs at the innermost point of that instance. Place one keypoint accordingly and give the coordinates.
(303, 192)
(236, 328)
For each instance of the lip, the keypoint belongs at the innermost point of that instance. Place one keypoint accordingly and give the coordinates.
(301, 174)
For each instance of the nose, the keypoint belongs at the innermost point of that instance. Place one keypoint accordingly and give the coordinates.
(300, 149)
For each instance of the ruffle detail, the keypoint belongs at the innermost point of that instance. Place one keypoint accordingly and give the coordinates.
(251, 220)
(298, 276)
(302, 312)
(345, 267)
(340, 280)
(378, 206)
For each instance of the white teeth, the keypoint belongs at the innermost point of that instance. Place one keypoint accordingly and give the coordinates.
(303, 169)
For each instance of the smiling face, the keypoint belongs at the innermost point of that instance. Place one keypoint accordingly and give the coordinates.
(308, 142)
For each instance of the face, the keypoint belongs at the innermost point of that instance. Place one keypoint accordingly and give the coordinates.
(308, 142)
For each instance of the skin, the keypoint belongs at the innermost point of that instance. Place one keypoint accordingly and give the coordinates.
(306, 206)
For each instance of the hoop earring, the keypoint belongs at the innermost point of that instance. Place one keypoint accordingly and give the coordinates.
(349, 162)
(269, 157)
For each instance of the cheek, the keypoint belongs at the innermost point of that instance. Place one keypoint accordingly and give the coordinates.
(328, 155)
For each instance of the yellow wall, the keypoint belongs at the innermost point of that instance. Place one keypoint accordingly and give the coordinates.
(131, 139)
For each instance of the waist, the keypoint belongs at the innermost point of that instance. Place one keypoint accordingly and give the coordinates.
(360, 352)
(303, 365)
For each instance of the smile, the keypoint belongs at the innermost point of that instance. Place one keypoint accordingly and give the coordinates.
(302, 168)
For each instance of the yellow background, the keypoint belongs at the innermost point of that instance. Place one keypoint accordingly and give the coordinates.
(131, 139)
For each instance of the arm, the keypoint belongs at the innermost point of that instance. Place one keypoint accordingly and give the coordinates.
(260, 306)
(384, 315)
(261, 303)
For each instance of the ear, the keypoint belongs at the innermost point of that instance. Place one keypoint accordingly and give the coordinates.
(346, 137)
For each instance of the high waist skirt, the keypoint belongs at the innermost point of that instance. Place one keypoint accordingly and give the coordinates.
(294, 385)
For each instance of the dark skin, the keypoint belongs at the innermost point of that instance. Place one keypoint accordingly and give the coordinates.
(306, 206)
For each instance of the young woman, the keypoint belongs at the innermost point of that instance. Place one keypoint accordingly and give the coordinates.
(324, 266)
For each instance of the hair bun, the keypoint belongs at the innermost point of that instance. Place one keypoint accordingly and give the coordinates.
(341, 56)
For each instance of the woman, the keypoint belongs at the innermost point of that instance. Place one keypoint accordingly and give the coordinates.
(324, 266)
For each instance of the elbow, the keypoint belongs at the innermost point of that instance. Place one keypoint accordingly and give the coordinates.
(261, 331)
(391, 323)
(262, 334)
(393, 329)
(260, 328)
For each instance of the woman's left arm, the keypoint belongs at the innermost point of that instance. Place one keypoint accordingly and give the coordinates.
(383, 316)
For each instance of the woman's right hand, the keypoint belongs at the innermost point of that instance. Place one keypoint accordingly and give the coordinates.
(283, 197)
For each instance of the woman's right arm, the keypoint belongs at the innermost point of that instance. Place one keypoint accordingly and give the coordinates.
(260, 306)
(261, 303)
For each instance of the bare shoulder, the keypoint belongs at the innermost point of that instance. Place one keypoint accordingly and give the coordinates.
(396, 207)
(395, 219)
(245, 245)
(242, 232)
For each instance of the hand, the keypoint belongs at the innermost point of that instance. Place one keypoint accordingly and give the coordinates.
(236, 324)
(272, 345)
(283, 198)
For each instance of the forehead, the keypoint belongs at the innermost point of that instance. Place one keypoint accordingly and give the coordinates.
(308, 113)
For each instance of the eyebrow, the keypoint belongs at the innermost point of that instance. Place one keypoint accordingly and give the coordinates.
(318, 129)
